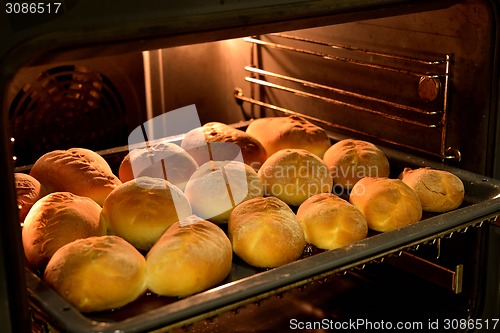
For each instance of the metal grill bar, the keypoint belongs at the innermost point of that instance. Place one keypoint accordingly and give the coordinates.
(333, 101)
(449, 154)
(365, 51)
(341, 91)
(327, 56)
(427, 110)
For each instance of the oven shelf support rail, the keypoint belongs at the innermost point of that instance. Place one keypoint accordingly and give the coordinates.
(433, 81)
(449, 153)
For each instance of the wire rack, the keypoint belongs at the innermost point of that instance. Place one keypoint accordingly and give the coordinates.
(396, 94)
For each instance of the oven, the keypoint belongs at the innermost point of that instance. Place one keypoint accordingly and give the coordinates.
(420, 79)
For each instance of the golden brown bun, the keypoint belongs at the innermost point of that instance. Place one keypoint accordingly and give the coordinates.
(265, 232)
(29, 190)
(56, 220)
(439, 191)
(76, 170)
(97, 273)
(386, 204)
(330, 222)
(293, 175)
(350, 160)
(218, 186)
(220, 142)
(160, 160)
(277, 133)
(141, 209)
(191, 256)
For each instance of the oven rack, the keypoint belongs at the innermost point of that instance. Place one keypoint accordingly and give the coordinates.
(246, 285)
(423, 109)
(402, 258)
(449, 153)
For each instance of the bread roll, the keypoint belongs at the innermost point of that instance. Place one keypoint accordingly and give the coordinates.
(265, 232)
(439, 191)
(141, 209)
(293, 175)
(330, 222)
(277, 133)
(97, 273)
(220, 142)
(191, 256)
(218, 186)
(29, 190)
(76, 170)
(350, 160)
(56, 220)
(160, 160)
(386, 204)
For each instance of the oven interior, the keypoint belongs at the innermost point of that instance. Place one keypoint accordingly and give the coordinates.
(423, 86)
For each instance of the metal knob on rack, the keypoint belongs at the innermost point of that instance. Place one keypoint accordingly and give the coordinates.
(429, 88)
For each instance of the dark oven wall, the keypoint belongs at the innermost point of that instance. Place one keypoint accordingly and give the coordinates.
(204, 75)
(442, 110)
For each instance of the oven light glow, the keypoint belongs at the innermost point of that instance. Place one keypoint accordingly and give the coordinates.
(150, 58)
(220, 287)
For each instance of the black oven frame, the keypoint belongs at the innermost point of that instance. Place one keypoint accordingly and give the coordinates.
(84, 29)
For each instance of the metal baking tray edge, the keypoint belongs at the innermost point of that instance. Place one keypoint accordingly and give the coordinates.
(482, 194)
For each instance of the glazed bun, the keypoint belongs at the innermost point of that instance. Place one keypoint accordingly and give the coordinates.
(220, 142)
(56, 220)
(191, 256)
(141, 209)
(218, 186)
(265, 232)
(159, 160)
(97, 273)
(293, 175)
(350, 160)
(386, 204)
(76, 170)
(277, 133)
(439, 191)
(29, 190)
(330, 222)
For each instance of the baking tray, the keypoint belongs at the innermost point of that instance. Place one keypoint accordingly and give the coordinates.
(247, 284)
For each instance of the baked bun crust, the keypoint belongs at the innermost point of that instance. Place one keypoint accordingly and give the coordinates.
(29, 190)
(160, 160)
(218, 186)
(191, 256)
(55, 220)
(97, 273)
(293, 175)
(220, 142)
(439, 191)
(386, 204)
(265, 232)
(330, 222)
(277, 133)
(76, 170)
(141, 209)
(350, 160)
